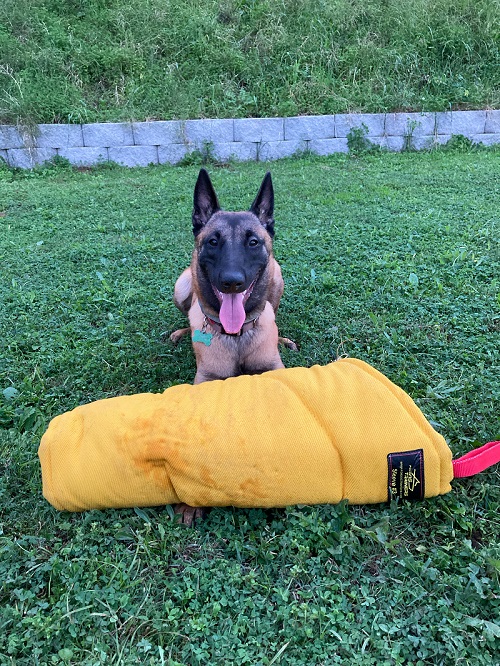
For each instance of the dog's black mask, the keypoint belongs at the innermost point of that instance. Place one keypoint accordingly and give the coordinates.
(233, 252)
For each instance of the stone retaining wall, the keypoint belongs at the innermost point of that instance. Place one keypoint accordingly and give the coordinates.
(244, 139)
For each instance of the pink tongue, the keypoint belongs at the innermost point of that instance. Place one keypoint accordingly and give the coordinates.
(232, 313)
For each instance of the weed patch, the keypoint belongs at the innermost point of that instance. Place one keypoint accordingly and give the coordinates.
(358, 142)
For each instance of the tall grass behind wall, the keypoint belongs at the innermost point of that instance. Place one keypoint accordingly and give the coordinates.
(96, 60)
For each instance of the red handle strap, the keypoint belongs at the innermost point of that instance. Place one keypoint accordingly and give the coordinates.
(476, 461)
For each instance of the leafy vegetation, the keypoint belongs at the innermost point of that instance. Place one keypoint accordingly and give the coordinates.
(392, 258)
(88, 60)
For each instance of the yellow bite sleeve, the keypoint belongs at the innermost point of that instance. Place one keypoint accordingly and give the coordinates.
(291, 436)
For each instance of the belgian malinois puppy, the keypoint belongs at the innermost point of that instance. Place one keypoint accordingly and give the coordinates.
(231, 291)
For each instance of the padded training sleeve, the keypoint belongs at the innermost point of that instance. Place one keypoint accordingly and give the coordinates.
(291, 436)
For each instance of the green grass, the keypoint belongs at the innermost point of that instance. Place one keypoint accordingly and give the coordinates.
(89, 60)
(393, 258)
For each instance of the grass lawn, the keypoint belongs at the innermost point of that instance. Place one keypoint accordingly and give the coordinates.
(89, 60)
(392, 258)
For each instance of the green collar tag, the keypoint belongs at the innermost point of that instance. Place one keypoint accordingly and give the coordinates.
(201, 336)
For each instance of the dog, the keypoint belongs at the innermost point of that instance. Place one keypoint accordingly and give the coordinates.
(231, 291)
(233, 287)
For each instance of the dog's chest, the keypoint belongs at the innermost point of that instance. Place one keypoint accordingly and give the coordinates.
(239, 344)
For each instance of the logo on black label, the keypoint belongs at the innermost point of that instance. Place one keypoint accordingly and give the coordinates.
(406, 475)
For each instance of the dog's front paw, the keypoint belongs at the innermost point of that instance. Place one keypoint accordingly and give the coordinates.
(189, 514)
(177, 336)
(289, 344)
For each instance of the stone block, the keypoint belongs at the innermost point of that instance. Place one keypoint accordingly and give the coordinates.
(380, 141)
(394, 143)
(158, 133)
(197, 132)
(172, 154)
(84, 156)
(486, 139)
(133, 156)
(3, 156)
(242, 151)
(328, 146)
(259, 129)
(492, 125)
(397, 143)
(27, 159)
(107, 135)
(468, 123)
(10, 137)
(59, 136)
(276, 150)
(414, 124)
(442, 139)
(374, 122)
(443, 123)
(423, 142)
(307, 128)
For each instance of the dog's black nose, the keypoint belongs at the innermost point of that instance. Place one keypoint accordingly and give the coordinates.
(232, 282)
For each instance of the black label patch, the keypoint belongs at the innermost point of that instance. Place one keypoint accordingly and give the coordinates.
(406, 475)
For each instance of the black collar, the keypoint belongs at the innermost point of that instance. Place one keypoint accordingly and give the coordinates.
(215, 323)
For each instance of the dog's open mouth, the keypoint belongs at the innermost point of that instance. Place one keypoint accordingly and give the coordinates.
(232, 313)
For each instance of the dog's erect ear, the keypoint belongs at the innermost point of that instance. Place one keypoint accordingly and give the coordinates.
(263, 206)
(205, 202)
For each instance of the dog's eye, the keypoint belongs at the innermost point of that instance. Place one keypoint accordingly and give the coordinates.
(213, 242)
(253, 242)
